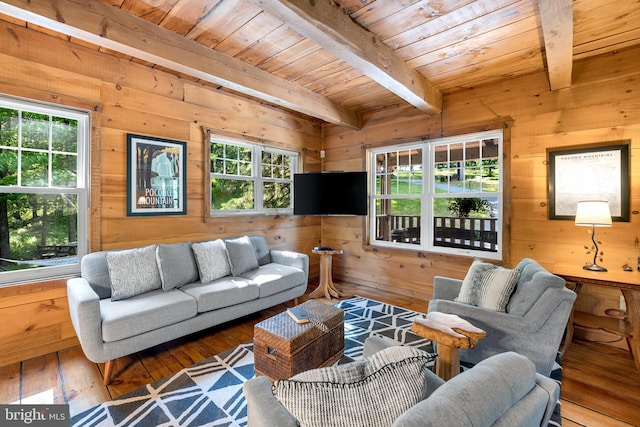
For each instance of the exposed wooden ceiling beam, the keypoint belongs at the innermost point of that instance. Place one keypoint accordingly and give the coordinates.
(103, 25)
(328, 25)
(557, 30)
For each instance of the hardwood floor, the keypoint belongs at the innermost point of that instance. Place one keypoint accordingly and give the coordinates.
(600, 383)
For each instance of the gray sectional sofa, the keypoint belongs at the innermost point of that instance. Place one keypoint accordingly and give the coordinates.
(128, 300)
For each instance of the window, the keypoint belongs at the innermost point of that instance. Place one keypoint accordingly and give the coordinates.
(43, 190)
(249, 178)
(440, 196)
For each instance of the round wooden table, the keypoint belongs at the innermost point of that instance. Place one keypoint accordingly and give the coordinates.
(326, 287)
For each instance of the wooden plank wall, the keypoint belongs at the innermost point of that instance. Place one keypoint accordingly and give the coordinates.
(602, 105)
(126, 97)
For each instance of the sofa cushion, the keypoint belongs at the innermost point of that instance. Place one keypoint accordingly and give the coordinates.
(133, 272)
(370, 392)
(242, 255)
(487, 285)
(274, 278)
(221, 293)
(176, 264)
(212, 260)
(144, 313)
(95, 270)
(262, 249)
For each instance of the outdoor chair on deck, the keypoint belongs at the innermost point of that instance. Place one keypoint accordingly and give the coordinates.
(406, 235)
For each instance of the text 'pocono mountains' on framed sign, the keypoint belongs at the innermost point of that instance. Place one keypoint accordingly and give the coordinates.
(593, 172)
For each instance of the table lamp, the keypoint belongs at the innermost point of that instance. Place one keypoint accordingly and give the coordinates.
(593, 213)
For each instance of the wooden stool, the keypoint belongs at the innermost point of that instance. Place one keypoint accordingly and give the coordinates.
(451, 333)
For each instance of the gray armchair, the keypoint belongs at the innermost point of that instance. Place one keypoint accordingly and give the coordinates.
(533, 324)
(519, 396)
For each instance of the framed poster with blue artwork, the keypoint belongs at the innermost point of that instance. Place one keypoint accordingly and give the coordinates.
(156, 176)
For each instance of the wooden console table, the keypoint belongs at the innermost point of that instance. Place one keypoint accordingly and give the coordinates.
(628, 282)
(326, 287)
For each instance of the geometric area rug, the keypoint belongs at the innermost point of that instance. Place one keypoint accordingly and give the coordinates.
(209, 393)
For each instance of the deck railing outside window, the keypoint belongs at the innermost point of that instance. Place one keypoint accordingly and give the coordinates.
(467, 233)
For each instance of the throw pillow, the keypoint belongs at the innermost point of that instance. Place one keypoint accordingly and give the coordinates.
(370, 392)
(133, 272)
(212, 260)
(242, 255)
(176, 264)
(487, 285)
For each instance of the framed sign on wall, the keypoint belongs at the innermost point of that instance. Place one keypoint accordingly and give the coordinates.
(156, 176)
(593, 172)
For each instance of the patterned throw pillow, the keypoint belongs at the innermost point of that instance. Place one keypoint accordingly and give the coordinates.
(370, 392)
(133, 272)
(487, 285)
(212, 260)
(242, 255)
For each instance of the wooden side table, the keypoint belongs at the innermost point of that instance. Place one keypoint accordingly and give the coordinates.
(451, 333)
(326, 287)
(628, 282)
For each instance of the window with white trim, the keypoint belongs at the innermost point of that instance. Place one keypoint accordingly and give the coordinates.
(250, 178)
(43, 190)
(442, 195)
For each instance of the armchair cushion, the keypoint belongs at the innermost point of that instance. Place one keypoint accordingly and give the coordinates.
(372, 392)
(487, 285)
(534, 281)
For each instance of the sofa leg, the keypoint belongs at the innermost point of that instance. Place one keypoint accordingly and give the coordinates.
(108, 371)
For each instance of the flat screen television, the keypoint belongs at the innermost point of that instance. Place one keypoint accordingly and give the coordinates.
(330, 193)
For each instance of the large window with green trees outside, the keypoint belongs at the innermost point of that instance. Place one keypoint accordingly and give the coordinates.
(250, 178)
(442, 195)
(43, 190)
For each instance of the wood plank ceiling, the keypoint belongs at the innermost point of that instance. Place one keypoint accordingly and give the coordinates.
(336, 59)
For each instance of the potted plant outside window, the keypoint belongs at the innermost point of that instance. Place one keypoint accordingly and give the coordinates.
(462, 207)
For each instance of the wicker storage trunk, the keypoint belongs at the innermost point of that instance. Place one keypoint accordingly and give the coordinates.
(283, 348)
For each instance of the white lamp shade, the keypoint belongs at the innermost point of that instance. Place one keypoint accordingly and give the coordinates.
(593, 213)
